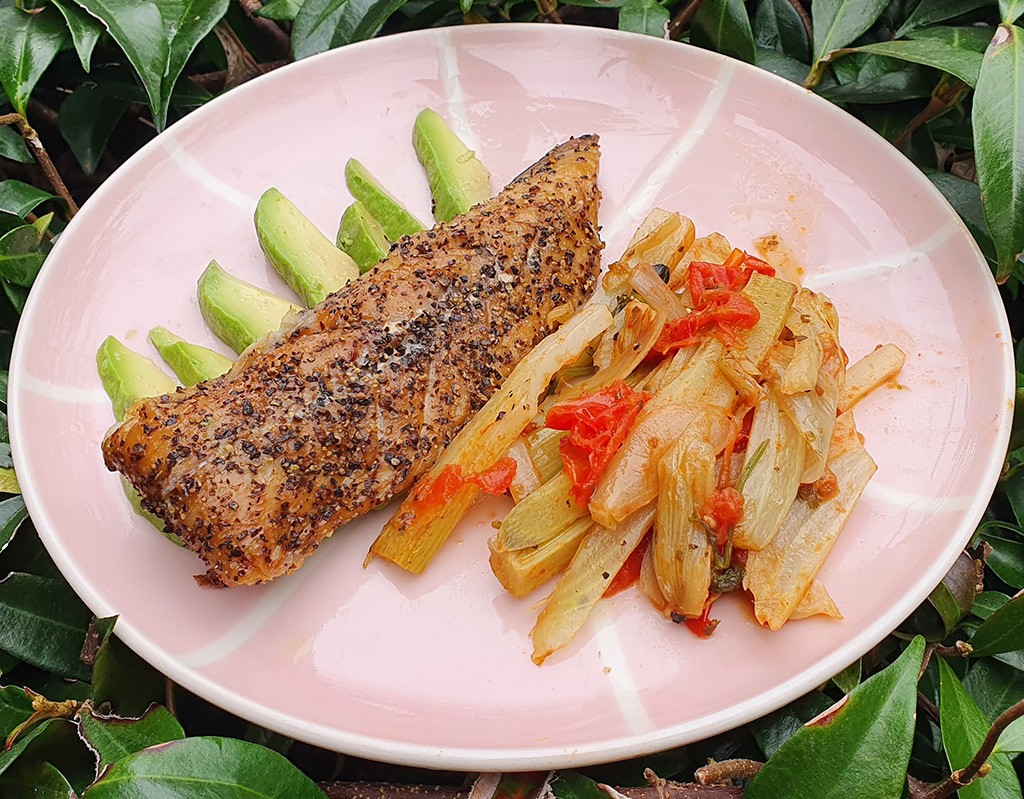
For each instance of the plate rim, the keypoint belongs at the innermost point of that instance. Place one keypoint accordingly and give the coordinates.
(463, 758)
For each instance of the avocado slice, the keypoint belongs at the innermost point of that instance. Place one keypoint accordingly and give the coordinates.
(301, 254)
(136, 502)
(458, 180)
(362, 237)
(237, 312)
(128, 377)
(393, 217)
(190, 362)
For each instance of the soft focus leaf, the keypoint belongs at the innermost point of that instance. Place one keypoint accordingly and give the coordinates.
(848, 678)
(12, 146)
(114, 737)
(204, 767)
(778, 26)
(12, 514)
(644, 16)
(963, 729)
(15, 709)
(999, 143)
(1003, 631)
(28, 45)
(34, 780)
(85, 29)
(861, 749)
(1006, 560)
(86, 120)
(21, 198)
(21, 256)
(723, 26)
(121, 678)
(1012, 739)
(280, 10)
(965, 197)
(958, 51)
(928, 12)
(1010, 10)
(324, 24)
(570, 785)
(994, 686)
(9, 756)
(772, 731)
(137, 27)
(836, 24)
(43, 622)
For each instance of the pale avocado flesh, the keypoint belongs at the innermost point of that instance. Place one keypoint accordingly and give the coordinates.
(237, 312)
(362, 237)
(458, 180)
(394, 218)
(190, 362)
(128, 377)
(306, 259)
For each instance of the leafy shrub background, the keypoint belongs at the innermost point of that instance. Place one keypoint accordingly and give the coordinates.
(87, 82)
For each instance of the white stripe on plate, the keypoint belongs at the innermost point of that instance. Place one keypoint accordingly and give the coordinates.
(883, 267)
(76, 394)
(644, 192)
(620, 679)
(911, 500)
(206, 178)
(448, 67)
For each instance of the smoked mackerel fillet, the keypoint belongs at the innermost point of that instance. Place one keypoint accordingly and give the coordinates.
(354, 399)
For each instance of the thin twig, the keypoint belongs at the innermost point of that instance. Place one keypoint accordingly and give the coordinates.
(44, 112)
(170, 700)
(928, 706)
(682, 18)
(28, 133)
(724, 771)
(948, 93)
(548, 10)
(282, 42)
(966, 775)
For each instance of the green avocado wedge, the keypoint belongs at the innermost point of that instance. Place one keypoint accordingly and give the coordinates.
(393, 217)
(306, 259)
(128, 377)
(237, 312)
(362, 237)
(190, 362)
(458, 180)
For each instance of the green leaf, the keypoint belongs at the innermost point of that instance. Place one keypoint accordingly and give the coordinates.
(43, 623)
(8, 663)
(958, 51)
(86, 120)
(22, 253)
(1006, 560)
(186, 22)
(953, 598)
(138, 29)
(963, 730)
(30, 42)
(994, 686)
(988, 602)
(848, 678)
(121, 678)
(1010, 10)
(570, 785)
(644, 16)
(85, 30)
(1001, 632)
(21, 198)
(324, 24)
(928, 12)
(778, 26)
(723, 26)
(999, 143)
(9, 756)
(965, 197)
(12, 514)
(113, 738)
(872, 79)
(12, 146)
(785, 67)
(836, 23)
(204, 767)
(34, 780)
(279, 10)
(772, 731)
(15, 709)
(859, 749)
(1012, 738)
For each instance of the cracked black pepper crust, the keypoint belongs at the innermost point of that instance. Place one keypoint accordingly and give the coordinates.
(354, 399)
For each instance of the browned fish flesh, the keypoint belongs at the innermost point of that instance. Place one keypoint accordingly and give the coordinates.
(352, 400)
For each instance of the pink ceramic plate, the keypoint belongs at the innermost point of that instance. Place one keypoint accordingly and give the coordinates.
(435, 670)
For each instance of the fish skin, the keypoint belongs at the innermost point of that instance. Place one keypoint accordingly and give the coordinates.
(354, 399)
